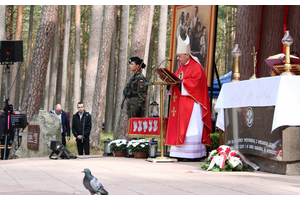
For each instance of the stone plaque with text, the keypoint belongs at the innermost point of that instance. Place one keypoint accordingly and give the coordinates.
(249, 131)
(33, 137)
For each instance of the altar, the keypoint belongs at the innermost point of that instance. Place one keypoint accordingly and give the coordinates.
(261, 119)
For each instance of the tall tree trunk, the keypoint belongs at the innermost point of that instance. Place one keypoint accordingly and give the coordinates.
(61, 47)
(47, 82)
(14, 69)
(2, 37)
(293, 26)
(10, 20)
(149, 68)
(161, 46)
(146, 57)
(247, 36)
(29, 52)
(65, 55)
(101, 78)
(76, 82)
(70, 64)
(54, 65)
(93, 56)
(85, 47)
(273, 19)
(148, 39)
(109, 106)
(9, 28)
(226, 38)
(138, 44)
(122, 66)
(34, 89)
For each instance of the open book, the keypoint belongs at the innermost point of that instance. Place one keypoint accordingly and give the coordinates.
(167, 76)
(276, 63)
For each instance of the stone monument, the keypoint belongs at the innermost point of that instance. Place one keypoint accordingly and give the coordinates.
(49, 129)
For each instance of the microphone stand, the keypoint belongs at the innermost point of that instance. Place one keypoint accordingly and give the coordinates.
(7, 71)
(149, 83)
(296, 50)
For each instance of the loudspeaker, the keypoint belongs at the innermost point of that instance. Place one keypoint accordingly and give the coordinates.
(11, 51)
(60, 150)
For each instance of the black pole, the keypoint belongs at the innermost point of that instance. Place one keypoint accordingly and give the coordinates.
(18, 138)
(7, 71)
(214, 64)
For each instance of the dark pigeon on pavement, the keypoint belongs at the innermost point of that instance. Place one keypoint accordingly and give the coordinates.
(92, 184)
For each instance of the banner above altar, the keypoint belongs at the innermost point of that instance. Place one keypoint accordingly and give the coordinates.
(146, 127)
(279, 91)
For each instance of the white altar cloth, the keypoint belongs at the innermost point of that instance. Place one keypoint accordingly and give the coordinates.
(283, 92)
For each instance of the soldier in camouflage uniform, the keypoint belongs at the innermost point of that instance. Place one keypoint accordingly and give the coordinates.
(136, 91)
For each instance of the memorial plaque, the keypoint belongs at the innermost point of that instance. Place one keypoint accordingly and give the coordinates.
(33, 137)
(249, 131)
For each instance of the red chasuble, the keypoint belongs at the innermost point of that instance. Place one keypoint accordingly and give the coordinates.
(181, 107)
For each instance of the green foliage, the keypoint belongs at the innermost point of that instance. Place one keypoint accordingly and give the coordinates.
(225, 37)
(215, 142)
(118, 145)
(228, 167)
(140, 145)
(72, 146)
(246, 167)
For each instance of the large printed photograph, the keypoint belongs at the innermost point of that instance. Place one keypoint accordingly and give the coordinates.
(198, 23)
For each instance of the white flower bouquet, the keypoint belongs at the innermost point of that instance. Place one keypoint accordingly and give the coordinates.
(226, 159)
(118, 145)
(141, 145)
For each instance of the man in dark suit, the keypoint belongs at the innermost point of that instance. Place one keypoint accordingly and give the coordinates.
(65, 122)
(81, 128)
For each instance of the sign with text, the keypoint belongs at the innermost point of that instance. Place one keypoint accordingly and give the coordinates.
(33, 137)
(145, 127)
(18, 120)
(249, 130)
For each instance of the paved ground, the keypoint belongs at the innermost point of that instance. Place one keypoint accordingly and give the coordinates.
(130, 176)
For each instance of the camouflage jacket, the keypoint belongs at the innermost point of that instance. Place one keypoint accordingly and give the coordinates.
(137, 88)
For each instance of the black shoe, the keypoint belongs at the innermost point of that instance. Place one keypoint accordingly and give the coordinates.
(188, 160)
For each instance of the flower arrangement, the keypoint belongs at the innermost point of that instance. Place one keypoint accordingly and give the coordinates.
(118, 145)
(226, 159)
(140, 145)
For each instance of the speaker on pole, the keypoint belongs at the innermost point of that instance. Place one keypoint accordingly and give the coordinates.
(11, 51)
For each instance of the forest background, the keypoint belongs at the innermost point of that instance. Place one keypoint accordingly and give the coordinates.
(80, 53)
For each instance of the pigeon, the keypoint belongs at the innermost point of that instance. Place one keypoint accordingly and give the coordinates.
(92, 184)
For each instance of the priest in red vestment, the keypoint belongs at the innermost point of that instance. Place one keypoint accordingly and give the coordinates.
(189, 125)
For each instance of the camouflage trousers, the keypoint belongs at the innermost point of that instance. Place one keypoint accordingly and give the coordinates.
(132, 106)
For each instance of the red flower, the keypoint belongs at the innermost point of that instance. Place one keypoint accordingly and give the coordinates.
(219, 149)
(232, 153)
(227, 150)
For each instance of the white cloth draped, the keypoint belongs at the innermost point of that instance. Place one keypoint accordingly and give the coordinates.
(279, 91)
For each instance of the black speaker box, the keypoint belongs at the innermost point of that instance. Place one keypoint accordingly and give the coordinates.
(11, 51)
(60, 150)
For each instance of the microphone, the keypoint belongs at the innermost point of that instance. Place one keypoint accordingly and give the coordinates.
(149, 83)
(296, 50)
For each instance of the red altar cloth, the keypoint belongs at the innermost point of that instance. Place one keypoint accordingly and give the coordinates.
(146, 127)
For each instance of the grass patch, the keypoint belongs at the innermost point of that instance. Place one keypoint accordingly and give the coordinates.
(72, 146)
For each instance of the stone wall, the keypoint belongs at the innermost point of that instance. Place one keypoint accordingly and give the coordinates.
(50, 129)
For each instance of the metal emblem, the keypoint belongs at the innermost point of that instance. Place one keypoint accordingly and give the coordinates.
(249, 116)
(180, 75)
